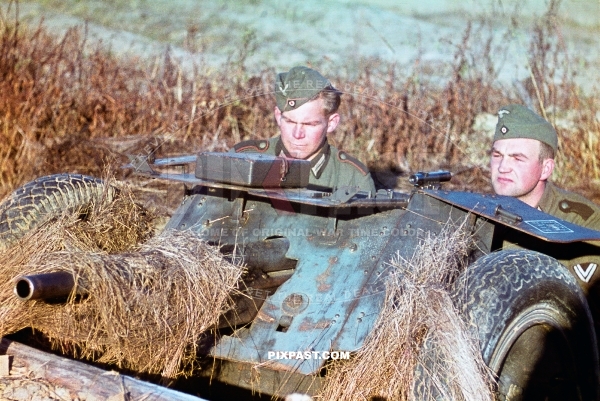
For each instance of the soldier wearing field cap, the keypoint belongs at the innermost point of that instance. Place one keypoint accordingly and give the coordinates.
(306, 112)
(522, 161)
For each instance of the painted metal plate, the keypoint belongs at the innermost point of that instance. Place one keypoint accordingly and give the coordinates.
(518, 215)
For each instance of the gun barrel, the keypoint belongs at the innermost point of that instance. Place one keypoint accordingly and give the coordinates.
(44, 286)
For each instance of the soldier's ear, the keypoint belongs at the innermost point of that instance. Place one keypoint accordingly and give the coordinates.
(332, 122)
(547, 168)
(277, 113)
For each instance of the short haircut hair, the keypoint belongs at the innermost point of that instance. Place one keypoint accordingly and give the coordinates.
(331, 99)
(546, 152)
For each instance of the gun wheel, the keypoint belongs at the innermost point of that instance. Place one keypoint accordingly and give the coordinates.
(534, 326)
(48, 197)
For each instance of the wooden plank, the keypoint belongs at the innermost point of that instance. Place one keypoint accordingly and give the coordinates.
(84, 381)
(4, 365)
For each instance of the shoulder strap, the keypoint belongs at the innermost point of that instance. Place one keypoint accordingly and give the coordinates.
(346, 158)
(252, 145)
(569, 206)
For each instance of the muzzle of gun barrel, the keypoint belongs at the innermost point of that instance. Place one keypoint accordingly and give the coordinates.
(44, 286)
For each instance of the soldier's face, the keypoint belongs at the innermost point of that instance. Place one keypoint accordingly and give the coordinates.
(517, 170)
(305, 129)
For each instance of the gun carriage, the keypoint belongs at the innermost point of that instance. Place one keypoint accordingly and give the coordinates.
(318, 259)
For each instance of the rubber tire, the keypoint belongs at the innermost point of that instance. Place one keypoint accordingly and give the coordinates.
(515, 299)
(48, 197)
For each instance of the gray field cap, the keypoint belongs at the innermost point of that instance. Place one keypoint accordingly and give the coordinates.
(298, 86)
(517, 121)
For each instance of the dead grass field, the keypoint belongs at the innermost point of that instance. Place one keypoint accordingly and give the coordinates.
(69, 105)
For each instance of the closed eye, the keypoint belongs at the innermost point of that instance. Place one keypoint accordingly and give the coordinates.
(309, 123)
(519, 157)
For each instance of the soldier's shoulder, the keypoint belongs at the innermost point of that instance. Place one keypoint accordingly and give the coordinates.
(570, 202)
(252, 145)
(347, 159)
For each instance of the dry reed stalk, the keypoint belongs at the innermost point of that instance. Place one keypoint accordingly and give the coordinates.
(418, 330)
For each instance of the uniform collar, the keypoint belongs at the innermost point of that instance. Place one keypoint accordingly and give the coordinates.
(547, 198)
(317, 164)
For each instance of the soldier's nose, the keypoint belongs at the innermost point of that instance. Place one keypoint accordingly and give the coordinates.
(503, 166)
(298, 132)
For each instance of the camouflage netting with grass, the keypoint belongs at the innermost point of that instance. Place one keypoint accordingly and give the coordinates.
(146, 305)
(419, 341)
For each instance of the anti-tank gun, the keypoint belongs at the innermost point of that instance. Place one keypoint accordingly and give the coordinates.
(311, 250)
(338, 241)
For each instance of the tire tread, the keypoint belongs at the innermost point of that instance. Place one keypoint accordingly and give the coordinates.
(48, 197)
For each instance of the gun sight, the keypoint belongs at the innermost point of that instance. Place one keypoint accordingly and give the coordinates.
(430, 180)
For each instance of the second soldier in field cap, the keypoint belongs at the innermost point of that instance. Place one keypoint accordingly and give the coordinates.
(522, 161)
(306, 112)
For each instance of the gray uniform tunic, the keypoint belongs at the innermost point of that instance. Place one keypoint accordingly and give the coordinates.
(576, 209)
(570, 206)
